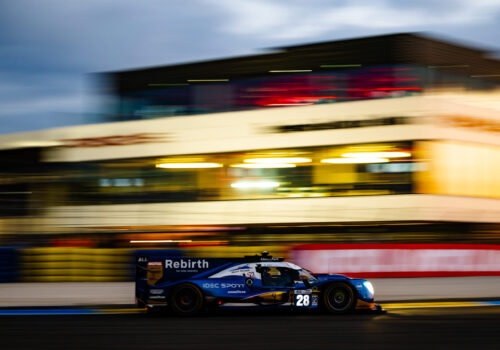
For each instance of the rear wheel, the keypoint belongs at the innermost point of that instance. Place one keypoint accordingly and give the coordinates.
(338, 298)
(186, 300)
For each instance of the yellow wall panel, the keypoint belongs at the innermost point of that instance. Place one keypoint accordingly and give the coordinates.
(457, 168)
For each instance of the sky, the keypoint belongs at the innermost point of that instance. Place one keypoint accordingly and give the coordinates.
(48, 47)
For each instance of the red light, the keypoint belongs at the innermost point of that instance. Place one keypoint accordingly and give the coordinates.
(220, 302)
(401, 88)
(389, 88)
(397, 79)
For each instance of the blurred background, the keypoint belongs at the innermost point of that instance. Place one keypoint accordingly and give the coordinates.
(369, 151)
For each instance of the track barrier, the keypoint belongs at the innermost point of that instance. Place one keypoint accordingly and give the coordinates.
(70, 264)
(76, 264)
(400, 260)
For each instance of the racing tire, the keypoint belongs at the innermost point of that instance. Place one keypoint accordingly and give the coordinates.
(186, 300)
(338, 298)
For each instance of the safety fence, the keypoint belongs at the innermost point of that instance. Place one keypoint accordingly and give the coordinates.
(64, 264)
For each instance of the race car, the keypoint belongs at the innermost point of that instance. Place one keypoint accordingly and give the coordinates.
(186, 285)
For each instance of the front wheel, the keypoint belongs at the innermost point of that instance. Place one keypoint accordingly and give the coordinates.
(186, 300)
(338, 298)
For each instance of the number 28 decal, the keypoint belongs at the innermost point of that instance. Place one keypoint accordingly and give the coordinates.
(302, 300)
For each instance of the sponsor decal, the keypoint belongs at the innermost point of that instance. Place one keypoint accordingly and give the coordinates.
(155, 272)
(232, 285)
(155, 291)
(212, 285)
(184, 265)
(303, 291)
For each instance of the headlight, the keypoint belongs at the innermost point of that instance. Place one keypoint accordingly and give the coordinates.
(369, 288)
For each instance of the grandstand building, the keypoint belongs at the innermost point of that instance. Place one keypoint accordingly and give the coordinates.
(381, 138)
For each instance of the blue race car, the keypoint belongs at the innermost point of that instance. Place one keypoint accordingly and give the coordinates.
(187, 284)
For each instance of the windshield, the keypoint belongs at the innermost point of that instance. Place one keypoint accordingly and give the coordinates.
(305, 274)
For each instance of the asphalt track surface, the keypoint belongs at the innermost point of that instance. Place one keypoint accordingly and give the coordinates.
(411, 328)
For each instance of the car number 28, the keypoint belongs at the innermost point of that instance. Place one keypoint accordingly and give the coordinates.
(302, 300)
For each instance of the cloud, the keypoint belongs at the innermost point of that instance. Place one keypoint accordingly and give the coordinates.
(47, 46)
(96, 35)
(56, 103)
(299, 20)
(40, 100)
